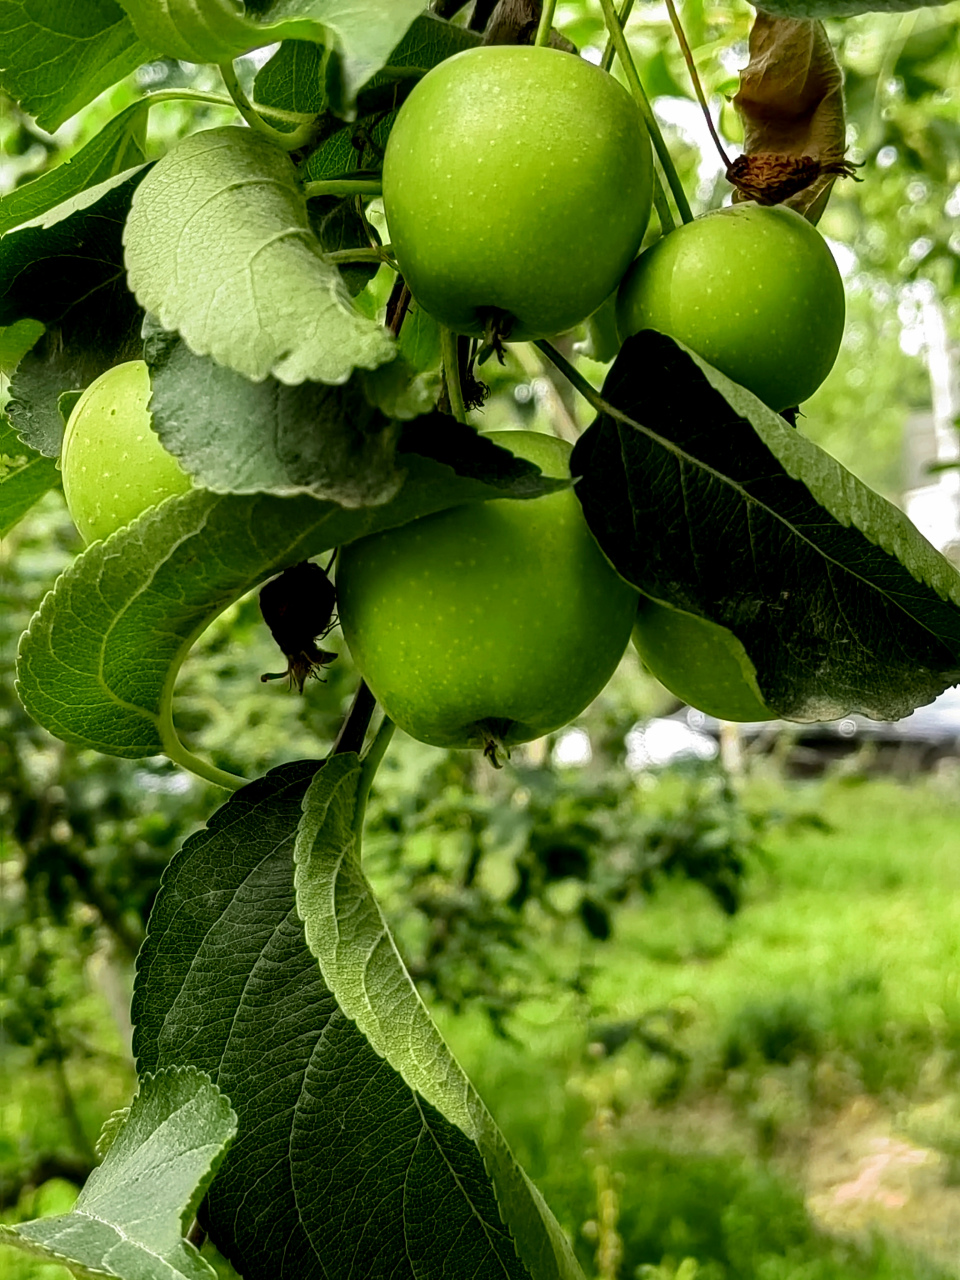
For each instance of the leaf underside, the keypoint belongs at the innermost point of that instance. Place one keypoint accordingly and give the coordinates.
(219, 247)
(130, 1218)
(360, 963)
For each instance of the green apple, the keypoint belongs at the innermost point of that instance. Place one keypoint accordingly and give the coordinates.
(700, 661)
(488, 624)
(753, 290)
(113, 463)
(517, 185)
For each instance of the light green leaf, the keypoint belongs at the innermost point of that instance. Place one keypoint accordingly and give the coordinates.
(362, 32)
(57, 55)
(220, 248)
(360, 964)
(116, 148)
(16, 340)
(99, 660)
(130, 1218)
(25, 476)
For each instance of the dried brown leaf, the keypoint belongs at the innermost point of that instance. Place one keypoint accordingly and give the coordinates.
(791, 104)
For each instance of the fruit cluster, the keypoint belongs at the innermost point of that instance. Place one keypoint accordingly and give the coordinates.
(517, 188)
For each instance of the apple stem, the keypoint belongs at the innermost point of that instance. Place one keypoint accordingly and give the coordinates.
(357, 721)
(343, 187)
(291, 141)
(615, 29)
(546, 22)
(451, 373)
(607, 60)
(695, 79)
(662, 206)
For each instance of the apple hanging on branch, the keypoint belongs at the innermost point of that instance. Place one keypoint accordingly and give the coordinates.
(114, 466)
(752, 289)
(489, 624)
(517, 185)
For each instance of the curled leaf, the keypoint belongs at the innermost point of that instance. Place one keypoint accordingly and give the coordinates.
(791, 104)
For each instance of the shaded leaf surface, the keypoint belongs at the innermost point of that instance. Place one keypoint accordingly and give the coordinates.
(708, 501)
(339, 1168)
(116, 148)
(220, 248)
(66, 270)
(360, 963)
(294, 80)
(130, 1218)
(237, 436)
(361, 33)
(57, 55)
(98, 662)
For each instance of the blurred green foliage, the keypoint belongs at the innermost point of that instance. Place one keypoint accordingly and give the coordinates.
(504, 889)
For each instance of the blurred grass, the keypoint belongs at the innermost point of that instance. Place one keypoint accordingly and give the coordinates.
(660, 1108)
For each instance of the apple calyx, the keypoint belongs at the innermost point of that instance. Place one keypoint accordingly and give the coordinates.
(769, 178)
(497, 327)
(492, 733)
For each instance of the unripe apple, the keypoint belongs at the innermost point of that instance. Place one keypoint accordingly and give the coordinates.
(699, 661)
(517, 185)
(491, 623)
(753, 290)
(114, 466)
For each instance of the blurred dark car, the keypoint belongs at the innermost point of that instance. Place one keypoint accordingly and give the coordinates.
(915, 743)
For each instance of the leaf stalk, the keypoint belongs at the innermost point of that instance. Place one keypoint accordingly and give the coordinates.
(343, 187)
(615, 29)
(546, 22)
(371, 763)
(286, 141)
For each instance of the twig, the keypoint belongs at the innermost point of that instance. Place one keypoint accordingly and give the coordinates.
(697, 86)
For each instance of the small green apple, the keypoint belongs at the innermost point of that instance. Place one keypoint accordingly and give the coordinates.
(113, 463)
(753, 290)
(700, 661)
(517, 185)
(491, 623)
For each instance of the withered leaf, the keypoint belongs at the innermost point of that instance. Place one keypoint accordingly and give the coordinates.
(791, 104)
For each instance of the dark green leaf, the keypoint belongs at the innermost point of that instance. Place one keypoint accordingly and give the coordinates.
(709, 501)
(98, 663)
(57, 55)
(293, 84)
(339, 1168)
(66, 270)
(130, 1218)
(237, 436)
(116, 148)
(338, 225)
